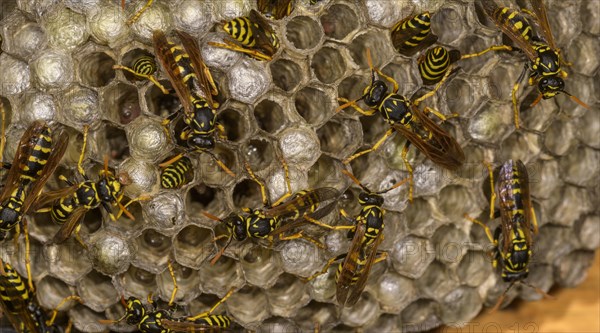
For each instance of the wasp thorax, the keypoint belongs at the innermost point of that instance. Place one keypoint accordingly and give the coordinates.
(365, 198)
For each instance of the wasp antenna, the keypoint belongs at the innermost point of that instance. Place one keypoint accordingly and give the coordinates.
(221, 251)
(499, 302)
(578, 101)
(211, 216)
(537, 100)
(355, 180)
(345, 105)
(398, 184)
(369, 59)
(538, 290)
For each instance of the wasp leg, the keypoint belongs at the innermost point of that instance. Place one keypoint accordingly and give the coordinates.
(428, 110)
(389, 79)
(150, 78)
(449, 71)
(171, 161)
(327, 226)
(137, 15)
(3, 131)
(220, 163)
(234, 47)
(50, 322)
(123, 208)
(286, 174)
(221, 131)
(27, 255)
(353, 104)
(175, 287)
(491, 48)
(387, 134)
(326, 267)
(514, 95)
(381, 256)
(213, 308)
(488, 232)
(411, 181)
(298, 235)
(78, 237)
(86, 129)
(263, 189)
(534, 219)
(492, 189)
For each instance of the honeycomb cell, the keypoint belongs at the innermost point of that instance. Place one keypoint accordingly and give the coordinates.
(277, 185)
(247, 81)
(248, 315)
(138, 282)
(328, 65)
(374, 40)
(95, 69)
(474, 268)
(460, 305)
(419, 220)
(589, 126)
(492, 123)
(278, 324)
(287, 296)
(155, 246)
(448, 23)
(385, 323)
(160, 104)
(541, 276)
(222, 276)
(581, 86)
(313, 105)
(156, 17)
(523, 146)
(147, 139)
(28, 40)
(14, 74)
(164, 210)
(52, 291)
(80, 107)
(421, 315)
(588, 232)
(323, 287)
(299, 257)
(587, 15)
(544, 178)
(193, 246)
(315, 312)
(339, 21)
(580, 166)
(362, 313)
(269, 116)
(259, 153)
(352, 87)
(69, 261)
(187, 283)
(218, 57)
(39, 262)
(36, 106)
(411, 256)
(572, 269)
(107, 24)
(395, 292)
(454, 201)
(109, 253)
(66, 29)
(143, 176)
(286, 74)
(192, 16)
(300, 146)
(569, 204)
(403, 73)
(450, 245)
(467, 92)
(237, 128)
(206, 198)
(553, 243)
(584, 45)
(437, 281)
(560, 137)
(303, 32)
(86, 320)
(97, 291)
(502, 77)
(122, 103)
(212, 173)
(261, 267)
(325, 173)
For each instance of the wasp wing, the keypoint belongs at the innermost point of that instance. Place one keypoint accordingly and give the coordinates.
(303, 202)
(46, 198)
(319, 214)
(264, 34)
(278, 9)
(370, 254)
(401, 36)
(349, 265)
(529, 228)
(72, 222)
(163, 52)
(492, 12)
(542, 18)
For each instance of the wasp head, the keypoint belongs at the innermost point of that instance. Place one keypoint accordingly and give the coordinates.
(375, 93)
(237, 226)
(367, 199)
(135, 311)
(109, 188)
(201, 141)
(551, 86)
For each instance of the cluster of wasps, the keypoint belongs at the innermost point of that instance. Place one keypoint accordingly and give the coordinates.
(39, 152)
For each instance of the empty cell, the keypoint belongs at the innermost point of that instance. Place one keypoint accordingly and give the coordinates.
(259, 153)
(155, 246)
(287, 296)
(95, 69)
(160, 104)
(502, 78)
(222, 276)
(269, 116)
(236, 126)
(303, 32)
(323, 313)
(339, 21)
(192, 246)
(313, 105)
(395, 292)
(437, 281)
(461, 305)
(203, 197)
(138, 282)
(70, 261)
(118, 149)
(261, 267)
(286, 74)
(448, 23)
(97, 291)
(475, 268)
(421, 315)
(187, 283)
(211, 172)
(325, 173)
(412, 255)
(249, 315)
(376, 41)
(352, 88)
(328, 65)
(247, 194)
(363, 312)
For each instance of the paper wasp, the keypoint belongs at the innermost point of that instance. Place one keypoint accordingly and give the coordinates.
(366, 234)
(144, 67)
(188, 74)
(162, 321)
(276, 9)
(177, 174)
(71, 203)
(513, 239)
(413, 34)
(254, 35)
(404, 117)
(267, 222)
(544, 65)
(18, 304)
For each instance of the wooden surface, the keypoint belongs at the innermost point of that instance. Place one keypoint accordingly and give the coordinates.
(572, 310)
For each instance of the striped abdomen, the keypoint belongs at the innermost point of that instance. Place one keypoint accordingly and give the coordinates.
(215, 321)
(513, 19)
(420, 25)
(145, 65)
(41, 147)
(241, 29)
(434, 64)
(177, 174)
(183, 65)
(10, 212)
(13, 288)
(510, 188)
(86, 195)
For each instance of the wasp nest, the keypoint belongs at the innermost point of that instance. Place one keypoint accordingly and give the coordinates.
(56, 65)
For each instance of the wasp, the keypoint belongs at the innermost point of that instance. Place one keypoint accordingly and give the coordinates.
(71, 203)
(404, 117)
(277, 9)
(162, 321)
(366, 234)
(544, 65)
(513, 239)
(19, 305)
(177, 174)
(254, 35)
(267, 222)
(144, 67)
(188, 74)
(412, 34)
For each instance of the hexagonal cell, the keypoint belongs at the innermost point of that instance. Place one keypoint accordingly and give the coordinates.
(588, 126)
(353, 87)
(299, 146)
(377, 42)
(418, 215)
(502, 77)
(287, 296)
(303, 32)
(286, 74)
(363, 312)
(110, 253)
(493, 122)
(588, 231)
(455, 201)
(261, 267)
(143, 176)
(269, 116)
(122, 103)
(325, 173)
(411, 256)
(312, 104)
(580, 167)
(247, 194)
(80, 107)
(86, 320)
(129, 60)
(328, 65)
(69, 260)
(95, 69)
(193, 245)
(474, 44)
(187, 279)
(211, 172)
(572, 269)
(339, 21)
(236, 125)
(324, 314)
(299, 257)
(247, 81)
(51, 291)
(523, 146)
(437, 281)
(138, 282)
(448, 24)
(278, 324)
(249, 315)
(155, 247)
(8, 113)
(39, 262)
(395, 292)
(205, 198)
(97, 291)
(461, 305)
(147, 139)
(115, 137)
(421, 315)
(222, 276)
(465, 93)
(160, 104)
(259, 153)
(403, 73)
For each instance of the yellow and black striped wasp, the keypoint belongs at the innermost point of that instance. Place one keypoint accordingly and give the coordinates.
(144, 67)
(177, 174)
(268, 222)
(18, 304)
(276, 9)
(188, 75)
(513, 239)
(544, 65)
(70, 204)
(412, 34)
(404, 117)
(254, 35)
(366, 234)
(162, 321)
